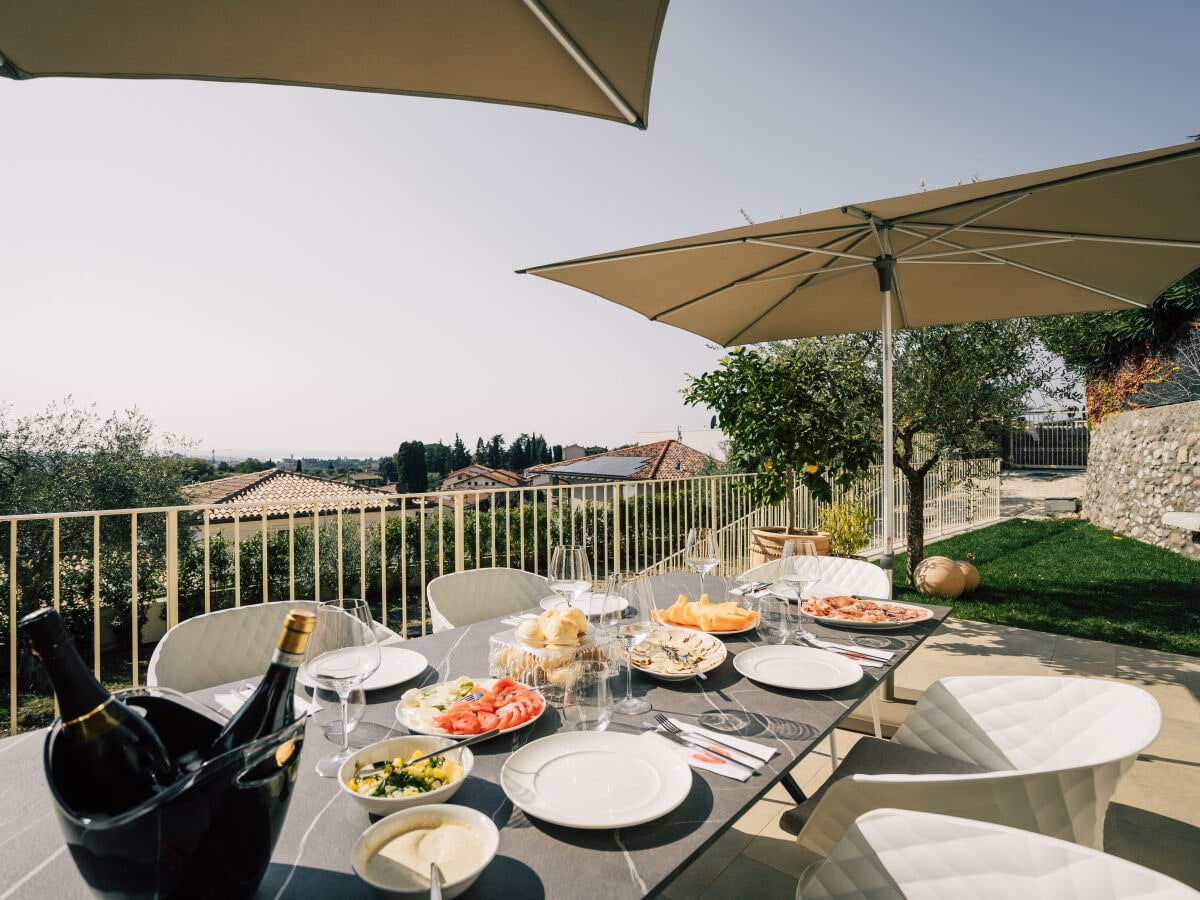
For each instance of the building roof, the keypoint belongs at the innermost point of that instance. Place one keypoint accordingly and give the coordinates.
(280, 490)
(504, 476)
(661, 459)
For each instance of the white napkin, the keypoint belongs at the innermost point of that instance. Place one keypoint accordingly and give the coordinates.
(739, 748)
(231, 702)
(868, 652)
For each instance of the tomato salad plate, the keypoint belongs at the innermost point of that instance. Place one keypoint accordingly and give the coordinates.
(441, 709)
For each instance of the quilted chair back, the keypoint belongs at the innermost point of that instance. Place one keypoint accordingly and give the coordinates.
(462, 598)
(1058, 747)
(224, 646)
(892, 853)
(854, 576)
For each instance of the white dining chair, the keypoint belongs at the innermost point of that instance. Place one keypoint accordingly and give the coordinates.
(226, 646)
(854, 576)
(473, 595)
(895, 854)
(1042, 753)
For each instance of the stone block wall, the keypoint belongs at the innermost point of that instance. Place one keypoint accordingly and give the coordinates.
(1141, 464)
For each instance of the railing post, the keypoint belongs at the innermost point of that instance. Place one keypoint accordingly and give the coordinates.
(172, 568)
(616, 526)
(460, 531)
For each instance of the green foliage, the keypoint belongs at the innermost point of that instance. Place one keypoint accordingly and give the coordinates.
(411, 467)
(1093, 345)
(388, 470)
(849, 524)
(794, 411)
(1065, 576)
(459, 457)
(249, 465)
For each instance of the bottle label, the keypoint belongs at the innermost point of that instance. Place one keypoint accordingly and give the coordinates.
(284, 658)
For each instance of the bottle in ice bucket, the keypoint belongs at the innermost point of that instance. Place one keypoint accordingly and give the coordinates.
(271, 706)
(117, 758)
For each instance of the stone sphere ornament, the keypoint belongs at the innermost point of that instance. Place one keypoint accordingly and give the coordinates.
(970, 576)
(939, 576)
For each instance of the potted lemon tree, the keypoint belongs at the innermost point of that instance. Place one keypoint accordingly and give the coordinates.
(796, 413)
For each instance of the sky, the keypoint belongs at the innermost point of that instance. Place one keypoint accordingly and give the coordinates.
(285, 271)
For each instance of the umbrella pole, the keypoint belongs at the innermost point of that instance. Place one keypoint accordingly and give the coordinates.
(885, 265)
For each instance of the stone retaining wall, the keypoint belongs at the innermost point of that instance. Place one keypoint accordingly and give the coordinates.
(1143, 463)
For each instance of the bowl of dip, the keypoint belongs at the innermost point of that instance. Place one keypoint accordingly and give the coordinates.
(394, 854)
(433, 782)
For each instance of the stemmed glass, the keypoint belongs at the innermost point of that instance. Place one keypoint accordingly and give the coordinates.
(702, 552)
(800, 568)
(342, 654)
(570, 572)
(628, 616)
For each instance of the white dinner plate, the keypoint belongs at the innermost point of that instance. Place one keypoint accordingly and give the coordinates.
(414, 719)
(396, 666)
(706, 653)
(797, 668)
(596, 779)
(592, 603)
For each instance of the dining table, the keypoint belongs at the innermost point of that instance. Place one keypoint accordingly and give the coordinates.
(536, 859)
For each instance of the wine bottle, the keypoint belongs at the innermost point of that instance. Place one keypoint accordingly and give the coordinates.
(271, 706)
(116, 759)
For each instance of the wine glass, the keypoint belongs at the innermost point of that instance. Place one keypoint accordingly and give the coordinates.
(628, 615)
(702, 552)
(800, 569)
(342, 653)
(570, 572)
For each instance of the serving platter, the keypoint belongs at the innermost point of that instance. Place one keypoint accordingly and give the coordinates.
(418, 719)
(924, 613)
(705, 651)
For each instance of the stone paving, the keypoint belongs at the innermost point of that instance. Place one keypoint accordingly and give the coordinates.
(1154, 819)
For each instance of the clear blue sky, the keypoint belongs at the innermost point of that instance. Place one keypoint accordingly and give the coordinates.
(275, 270)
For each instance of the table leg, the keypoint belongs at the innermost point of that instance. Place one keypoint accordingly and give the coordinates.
(793, 789)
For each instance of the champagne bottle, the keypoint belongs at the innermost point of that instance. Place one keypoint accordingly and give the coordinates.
(116, 759)
(271, 706)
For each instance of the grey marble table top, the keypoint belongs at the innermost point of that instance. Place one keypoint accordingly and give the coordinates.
(535, 859)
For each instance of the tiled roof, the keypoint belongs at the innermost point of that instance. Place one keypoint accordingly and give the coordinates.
(278, 490)
(504, 476)
(664, 459)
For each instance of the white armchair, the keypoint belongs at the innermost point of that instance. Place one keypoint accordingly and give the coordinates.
(225, 646)
(892, 854)
(1051, 751)
(854, 576)
(473, 595)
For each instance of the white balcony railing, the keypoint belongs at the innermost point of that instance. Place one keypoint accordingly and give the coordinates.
(122, 577)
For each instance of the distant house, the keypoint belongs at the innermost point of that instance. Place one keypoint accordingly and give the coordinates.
(278, 492)
(478, 481)
(709, 441)
(645, 462)
(365, 479)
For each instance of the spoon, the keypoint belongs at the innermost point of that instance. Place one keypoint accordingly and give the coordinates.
(435, 882)
(370, 768)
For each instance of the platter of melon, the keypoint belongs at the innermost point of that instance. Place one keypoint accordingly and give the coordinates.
(704, 615)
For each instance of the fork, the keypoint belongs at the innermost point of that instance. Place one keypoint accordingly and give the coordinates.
(477, 695)
(667, 725)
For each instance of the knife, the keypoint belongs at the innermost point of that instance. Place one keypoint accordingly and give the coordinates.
(698, 743)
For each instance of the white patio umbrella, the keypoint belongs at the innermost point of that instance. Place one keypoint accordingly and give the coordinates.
(1110, 234)
(593, 58)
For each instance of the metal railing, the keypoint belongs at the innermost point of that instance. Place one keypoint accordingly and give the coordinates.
(1048, 439)
(122, 577)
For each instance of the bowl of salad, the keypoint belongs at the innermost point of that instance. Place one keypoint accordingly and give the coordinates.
(397, 785)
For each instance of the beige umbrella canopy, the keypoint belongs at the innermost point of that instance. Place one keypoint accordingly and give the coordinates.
(593, 58)
(1110, 234)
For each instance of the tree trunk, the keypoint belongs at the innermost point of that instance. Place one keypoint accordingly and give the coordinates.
(915, 521)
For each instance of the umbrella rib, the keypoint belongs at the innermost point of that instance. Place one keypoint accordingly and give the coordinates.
(1042, 272)
(581, 59)
(933, 257)
(1080, 236)
(820, 250)
(948, 229)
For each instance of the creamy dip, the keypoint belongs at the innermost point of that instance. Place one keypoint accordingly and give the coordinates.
(403, 861)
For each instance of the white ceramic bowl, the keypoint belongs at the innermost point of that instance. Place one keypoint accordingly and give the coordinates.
(407, 746)
(389, 827)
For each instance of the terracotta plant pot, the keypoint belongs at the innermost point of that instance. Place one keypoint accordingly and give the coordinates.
(766, 544)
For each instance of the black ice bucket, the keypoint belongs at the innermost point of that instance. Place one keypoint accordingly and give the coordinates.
(209, 835)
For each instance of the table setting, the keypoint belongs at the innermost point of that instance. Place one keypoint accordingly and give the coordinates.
(656, 779)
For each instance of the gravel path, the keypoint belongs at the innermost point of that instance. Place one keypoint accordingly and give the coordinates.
(1023, 492)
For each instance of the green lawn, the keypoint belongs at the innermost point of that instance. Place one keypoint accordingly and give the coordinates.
(1065, 576)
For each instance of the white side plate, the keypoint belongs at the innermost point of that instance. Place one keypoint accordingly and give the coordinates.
(797, 668)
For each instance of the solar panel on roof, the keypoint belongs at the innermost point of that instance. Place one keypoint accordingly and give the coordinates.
(603, 466)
